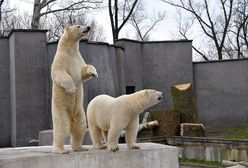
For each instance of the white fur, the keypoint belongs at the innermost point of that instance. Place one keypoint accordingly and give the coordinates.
(68, 71)
(108, 116)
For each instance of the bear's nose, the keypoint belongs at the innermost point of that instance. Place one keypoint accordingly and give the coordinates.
(160, 97)
(88, 27)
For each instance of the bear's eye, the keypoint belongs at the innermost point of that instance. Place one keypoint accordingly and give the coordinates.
(78, 26)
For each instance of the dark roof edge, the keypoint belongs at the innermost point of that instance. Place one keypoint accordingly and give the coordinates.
(163, 41)
(26, 30)
(104, 43)
(4, 37)
(226, 60)
(92, 42)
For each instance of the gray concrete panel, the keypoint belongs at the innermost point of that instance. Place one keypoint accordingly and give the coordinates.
(133, 61)
(157, 65)
(167, 64)
(29, 79)
(5, 124)
(104, 58)
(51, 50)
(221, 92)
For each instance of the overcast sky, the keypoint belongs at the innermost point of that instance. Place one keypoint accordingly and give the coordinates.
(165, 30)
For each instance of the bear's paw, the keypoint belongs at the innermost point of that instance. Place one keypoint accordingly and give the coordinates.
(79, 149)
(113, 148)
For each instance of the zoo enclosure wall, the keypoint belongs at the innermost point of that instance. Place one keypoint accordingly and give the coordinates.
(25, 89)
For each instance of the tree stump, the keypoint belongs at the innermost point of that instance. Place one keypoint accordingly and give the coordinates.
(169, 122)
(184, 102)
(192, 130)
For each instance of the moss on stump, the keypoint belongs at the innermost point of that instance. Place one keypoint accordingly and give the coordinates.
(192, 130)
(169, 122)
(184, 102)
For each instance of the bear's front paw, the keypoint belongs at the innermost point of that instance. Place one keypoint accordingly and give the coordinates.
(103, 147)
(100, 147)
(72, 91)
(79, 149)
(113, 148)
(91, 70)
(60, 151)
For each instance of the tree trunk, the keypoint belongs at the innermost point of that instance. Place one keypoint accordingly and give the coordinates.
(115, 35)
(1, 3)
(0, 14)
(220, 53)
(36, 15)
(184, 102)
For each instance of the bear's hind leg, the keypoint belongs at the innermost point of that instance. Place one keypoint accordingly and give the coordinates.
(60, 131)
(96, 137)
(113, 137)
(78, 129)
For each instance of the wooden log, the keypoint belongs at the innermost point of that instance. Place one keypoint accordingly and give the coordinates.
(184, 102)
(146, 125)
(169, 122)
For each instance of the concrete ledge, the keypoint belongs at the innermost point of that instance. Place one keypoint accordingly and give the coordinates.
(150, 155)
(46, 138)
(212, 149)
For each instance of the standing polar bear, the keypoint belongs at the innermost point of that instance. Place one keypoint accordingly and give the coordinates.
(68, 72)
(108, 116)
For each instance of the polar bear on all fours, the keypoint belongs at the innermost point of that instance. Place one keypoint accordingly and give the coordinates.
(68, 72)
(108, 116)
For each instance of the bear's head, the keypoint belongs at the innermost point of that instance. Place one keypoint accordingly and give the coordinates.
(76, 32)
(153, 96)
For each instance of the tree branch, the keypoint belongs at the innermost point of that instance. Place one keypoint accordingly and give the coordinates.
(129, 14)
(72, 7)
(111, 16)
(44, 3)
(198, 51)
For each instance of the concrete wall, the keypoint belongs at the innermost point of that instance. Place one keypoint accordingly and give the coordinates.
(28, 85)
(157, 65)
(5, 124)
(166, 64)
(104, 57)
(222, 92)
(132, 58)
(210, 149)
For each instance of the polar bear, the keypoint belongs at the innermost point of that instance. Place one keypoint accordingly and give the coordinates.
(108, 116)
(68, 72)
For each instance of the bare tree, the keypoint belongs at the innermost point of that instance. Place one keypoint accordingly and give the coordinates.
(4, 9)
(47, 7)
(215, 27)
(96, 32)
(57, 22)
(185, 25)
(126, 9)
(144, 24)
(1, 3)
(240, 29)
(9, 20)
